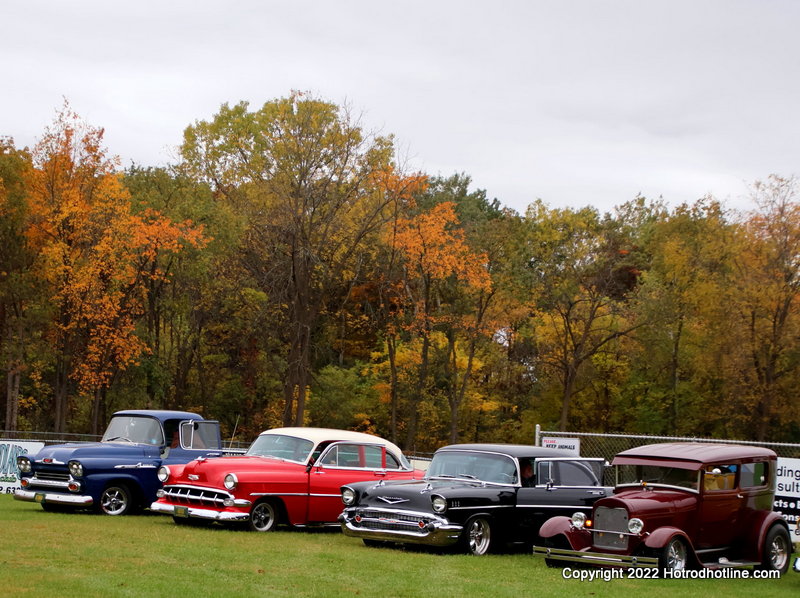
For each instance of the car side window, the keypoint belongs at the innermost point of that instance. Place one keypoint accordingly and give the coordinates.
(343, 455)
(719, 477)
(753, 475)
(566, 473)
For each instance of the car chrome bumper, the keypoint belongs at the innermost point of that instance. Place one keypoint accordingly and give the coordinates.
(439, 533)
(595, 558)
(195, 513)
(53, 498)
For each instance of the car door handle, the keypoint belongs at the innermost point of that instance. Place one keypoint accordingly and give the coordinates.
(380, 473)
(597, 492)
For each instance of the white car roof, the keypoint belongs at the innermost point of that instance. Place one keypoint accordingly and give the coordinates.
(317, 435)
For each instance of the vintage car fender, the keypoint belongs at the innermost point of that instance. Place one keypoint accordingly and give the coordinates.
(562, 526)
(661, 537)
(759, 527)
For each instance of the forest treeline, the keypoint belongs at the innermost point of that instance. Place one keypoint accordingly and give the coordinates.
(288, 271)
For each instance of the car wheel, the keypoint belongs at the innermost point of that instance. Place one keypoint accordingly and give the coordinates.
(674, 556)
(263, 517)
(777, 550)
(478, 536)
(116, 500)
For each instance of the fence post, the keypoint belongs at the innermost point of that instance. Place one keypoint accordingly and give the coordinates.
(538, 430)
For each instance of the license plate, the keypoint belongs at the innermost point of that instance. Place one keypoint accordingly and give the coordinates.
(181, 511)
(39, 497)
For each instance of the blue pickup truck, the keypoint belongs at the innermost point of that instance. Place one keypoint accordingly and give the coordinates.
(117, 475)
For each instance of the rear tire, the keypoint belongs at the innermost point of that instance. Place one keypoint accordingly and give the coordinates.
(777, 550)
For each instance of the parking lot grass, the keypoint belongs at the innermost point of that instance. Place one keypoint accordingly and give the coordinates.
(65, 555)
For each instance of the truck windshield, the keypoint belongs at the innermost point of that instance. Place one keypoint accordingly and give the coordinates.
(134, 429)
(280, 446)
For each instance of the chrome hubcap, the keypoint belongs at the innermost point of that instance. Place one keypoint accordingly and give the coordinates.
(479, 537)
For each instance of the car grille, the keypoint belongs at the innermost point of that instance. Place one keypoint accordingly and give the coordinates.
(391, 520)
(611, 528)
(193, 496)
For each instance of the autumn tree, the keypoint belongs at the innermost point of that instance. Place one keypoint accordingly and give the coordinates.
(314, 188)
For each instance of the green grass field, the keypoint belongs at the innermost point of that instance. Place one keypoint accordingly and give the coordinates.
(51, 554)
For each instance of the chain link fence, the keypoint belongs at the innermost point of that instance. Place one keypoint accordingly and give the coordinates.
(608, 445)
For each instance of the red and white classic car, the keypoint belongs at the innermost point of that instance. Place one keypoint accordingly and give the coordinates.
(288, 475)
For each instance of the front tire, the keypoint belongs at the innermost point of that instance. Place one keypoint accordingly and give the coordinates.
(116, 500)
(263, 517)
(674, 556)
(777, 550)
(478, 538)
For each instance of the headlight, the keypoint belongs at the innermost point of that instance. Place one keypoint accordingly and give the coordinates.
(635, 525)
(231, 481)
(348, 496)
(23, 464)
(578, 519)
(439, 504)
(75, 469)
(163, 473)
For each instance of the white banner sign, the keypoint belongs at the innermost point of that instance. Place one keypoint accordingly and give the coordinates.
(787, 494)
(567, 444)
(9, 451)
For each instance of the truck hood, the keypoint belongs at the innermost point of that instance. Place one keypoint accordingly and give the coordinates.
(63, 453)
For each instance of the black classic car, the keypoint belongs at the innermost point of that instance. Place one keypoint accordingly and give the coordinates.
(482, 497)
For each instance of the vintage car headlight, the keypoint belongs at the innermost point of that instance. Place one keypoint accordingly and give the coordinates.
(348, 496)
(163, 473)
(75, 469)
(578, 519)
(24, 464)
(231, 481)
(439, 504)
(635, 525)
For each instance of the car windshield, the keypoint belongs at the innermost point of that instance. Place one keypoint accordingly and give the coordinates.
(134, 429)
(471, 465)
(659, 475)
(280, 446)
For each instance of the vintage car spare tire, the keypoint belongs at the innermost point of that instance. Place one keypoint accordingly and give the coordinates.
(116, 500)
(263, 517)
(777, 550)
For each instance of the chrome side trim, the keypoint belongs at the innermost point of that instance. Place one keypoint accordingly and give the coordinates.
(137, 466)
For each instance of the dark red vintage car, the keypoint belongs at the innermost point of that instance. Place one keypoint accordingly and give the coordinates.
(676, 506)
(288, 475)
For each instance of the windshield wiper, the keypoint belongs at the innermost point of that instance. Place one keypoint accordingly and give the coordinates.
(112, 439)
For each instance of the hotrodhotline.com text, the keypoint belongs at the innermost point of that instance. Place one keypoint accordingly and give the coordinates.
(654, 573)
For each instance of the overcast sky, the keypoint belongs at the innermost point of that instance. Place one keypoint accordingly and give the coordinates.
(585, 102)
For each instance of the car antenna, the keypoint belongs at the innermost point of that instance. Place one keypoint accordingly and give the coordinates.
(236, 425)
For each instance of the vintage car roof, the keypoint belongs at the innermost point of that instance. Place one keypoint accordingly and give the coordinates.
(319, 434)
(160, 414)
(513, 450)
(697, 452)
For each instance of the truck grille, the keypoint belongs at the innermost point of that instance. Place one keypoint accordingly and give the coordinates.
(610, 528)
(194, 496)
(53, 476)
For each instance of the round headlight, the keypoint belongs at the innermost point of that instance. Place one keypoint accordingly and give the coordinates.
(578, 519)
(163, 474)
(23, 464)
(231, 481)
(635, 525)
(439, 504)
(75, 469)
(348, 496)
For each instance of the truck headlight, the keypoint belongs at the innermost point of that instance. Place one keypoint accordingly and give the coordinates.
(23, 464)
(163, 473)
(439, 504)
(75, 469)
(578, 519)
(635, 525)
(230, 481)
(348, 496)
